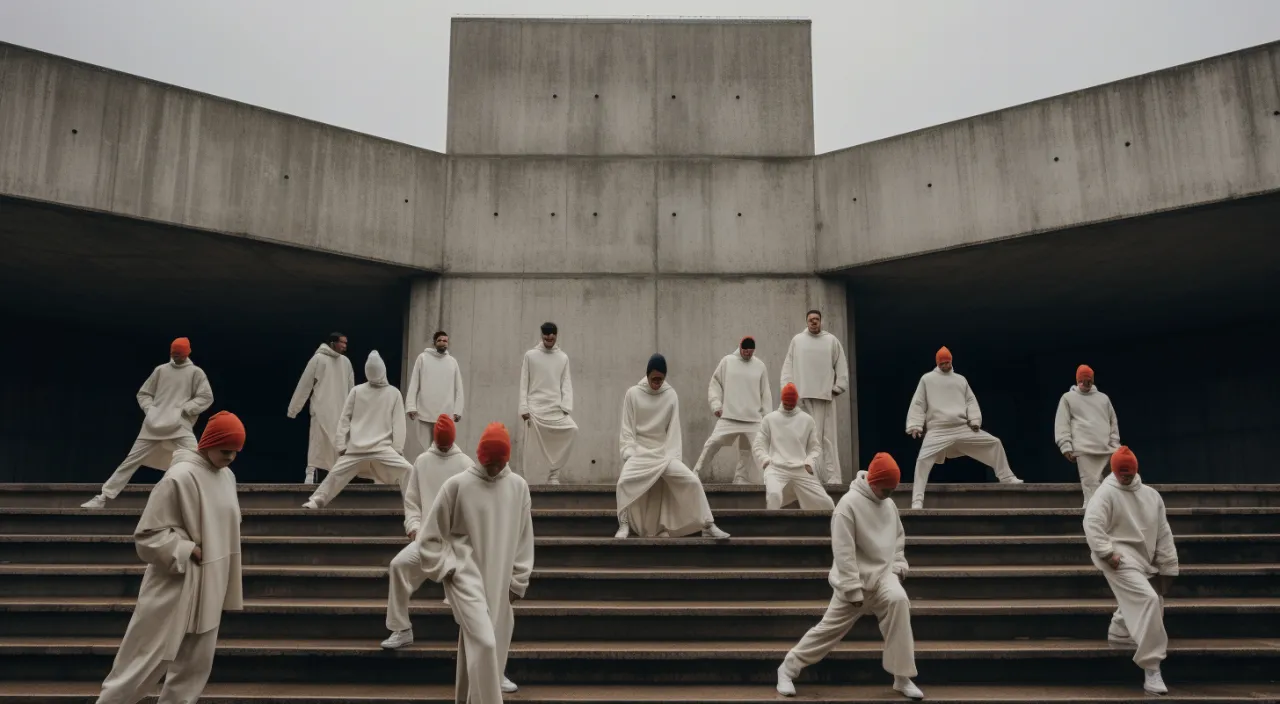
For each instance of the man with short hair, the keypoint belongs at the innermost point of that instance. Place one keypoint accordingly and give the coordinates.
(326, 381)
(171, 399)
(817, 365)
(435, 387)
(739, 395)
(1086, 430)
(787, 448)
(546, 400)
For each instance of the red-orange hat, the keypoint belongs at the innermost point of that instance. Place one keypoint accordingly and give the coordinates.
(445, 431)
(180, 346)
(1124, 462)
(943, 355)
(224, 431)
(495, 445)
(1083, 372)
(883, 472)
(790, 396)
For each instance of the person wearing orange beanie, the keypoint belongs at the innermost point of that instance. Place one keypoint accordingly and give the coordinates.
(325, 382)
(739, 396)
(1130, 540)
(477, 541)
(945, 412)
(546, 400)
(1086, 430)
(787, 447)
(189, 536)
(171, 399)
(866, 577)
(817, 365)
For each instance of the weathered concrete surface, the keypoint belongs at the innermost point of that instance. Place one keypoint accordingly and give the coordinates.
(582, 87)
(86, 137)
(1190, 135)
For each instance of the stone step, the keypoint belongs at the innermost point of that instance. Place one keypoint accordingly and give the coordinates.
(672, 584)
(634, 662)
(721, 496)
(541, 620)
(603, 522)
(551, 552)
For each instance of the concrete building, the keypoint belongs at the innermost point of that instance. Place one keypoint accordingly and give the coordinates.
(650, 186)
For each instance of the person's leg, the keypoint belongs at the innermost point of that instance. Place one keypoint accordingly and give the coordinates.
(189, 672)
(987, 449)
(924, 465)
(478, 660)
(713, 444)
(774, 483)
(893, 610)
(405, 576)
(132, 461)
(691, 498)
(137, 670)
(824, 422)
(811, 494)
(1143, 613)
(1089, 467)
(822, 638)
(746, 472)
(344, 470)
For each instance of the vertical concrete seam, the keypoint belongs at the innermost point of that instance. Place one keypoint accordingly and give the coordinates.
(656, 273)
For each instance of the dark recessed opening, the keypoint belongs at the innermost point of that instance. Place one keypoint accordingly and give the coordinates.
(286, 177)
(931, 185)
(593, 461)
(1055, 158)
(737, 97)
(75, 131)
(739, 214)
(553, 215)
(554, 96)
(406, 200)
(673, 97)
(597, 96)
(594, 214)
(495, 215)
(673, 215)
(1277, 112)
(1126, 144)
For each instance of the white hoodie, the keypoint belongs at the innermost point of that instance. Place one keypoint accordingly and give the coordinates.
(1086, 423)
(327, 380)
(430, 471)
(943, 401)
(373, 416)
(546, 387)
(817, 365)
(739, 388)
(787, 440)
(867, 540)
(172, 398)
(1130, 520)
(435, 386)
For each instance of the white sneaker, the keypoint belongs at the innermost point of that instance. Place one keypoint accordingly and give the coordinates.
(663, 534)
(399, 639)
(1015, 480)
(712, 531)
(311, 476)
(509, 687)
(740, 480)
(311, 504)
(907, 688)
(554, 481)
(98, 501)
(786, 687)
(1154, 682)
(1118, 639)
(624, 531)
(917, 504)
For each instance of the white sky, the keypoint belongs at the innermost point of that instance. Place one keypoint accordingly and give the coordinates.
(881, 67)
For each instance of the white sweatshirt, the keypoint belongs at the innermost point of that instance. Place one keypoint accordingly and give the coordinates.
(787, 440)
(816, 364)
(172, 398)
(373, 416)
(430, 471)
(739, 388)
(435, 386)
(1086, 423)
(546, 388)
(867, 540)
(650, 423)
(327, 380)
(1130, 520)
(943, 401)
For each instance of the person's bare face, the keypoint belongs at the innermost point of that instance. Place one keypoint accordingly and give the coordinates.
(340, 346)
(1125, 479)
(493, 468)
(442, 447)
(788, 406)
(178, 358)
(882, 493)
(442, 343)
(815, 323)
(1085, 384)
(747, 352)
(549, 340)
(655, 379)
(945, 365)
(220, 458)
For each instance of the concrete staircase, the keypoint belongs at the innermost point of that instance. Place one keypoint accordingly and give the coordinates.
(1006, 606)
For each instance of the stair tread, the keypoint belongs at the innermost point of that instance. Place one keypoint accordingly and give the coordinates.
(607, 512)
(940, 487)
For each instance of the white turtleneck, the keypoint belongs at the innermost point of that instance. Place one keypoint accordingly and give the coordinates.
(787, 440)
(943, 401)
(546, 386)
(1086, 423)
(739, 388)
(817, 365)
(867, 540)
(1130, 520)
(435, 386)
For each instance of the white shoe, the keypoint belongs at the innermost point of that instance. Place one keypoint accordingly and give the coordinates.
(554, 481)
(624, 531)
(509, 687)
(907, 688)
(1121, 640)
(711, 531)
(917, 504)
(786, 687)
(1015, 480)
(664, 534)
(740, 480)
(311, 504)
(1154, 682)
(311, 476)
(399, 639)
(98, 501)
(445, 601)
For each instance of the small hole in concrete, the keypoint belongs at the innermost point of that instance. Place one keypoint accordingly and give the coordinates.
(597, 96)
(554, 96)
(673, 97)
(406, 200)
(1055, 158)
(553, 215)
(739, 214)
(855, 200)
(75, 131)
(593, 461)
(594, 214)
(1126, 144)
(737, 97)
(931, 185)
(495, 215)
(1277, 112)
(673, 215)
(286, 177)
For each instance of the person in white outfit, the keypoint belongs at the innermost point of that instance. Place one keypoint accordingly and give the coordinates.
(1131, 542)
(739, 395)
(946, 412)
(435, 388)
(546, 400)
(172, 398)
(658, 496)
(189, 536)
(477, 541)
(1086, 430)
(371, 435)
(787, 447)
(817, 365)
(866, 577)
(326, 382)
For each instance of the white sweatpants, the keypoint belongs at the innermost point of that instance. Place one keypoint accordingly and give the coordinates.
(426, 432)
(388, 467)
(807, 490)
(406, 576)
(137, 671)
(824, 421)
(137, 455)
(479, 677)
(892, 609)
(728, 434)
(1091, 469)
(1141, 613)
(981, 446)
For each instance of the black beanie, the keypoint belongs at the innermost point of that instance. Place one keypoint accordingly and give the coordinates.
(656, 363)
(748, 343)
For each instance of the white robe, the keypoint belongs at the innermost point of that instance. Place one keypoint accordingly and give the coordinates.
(326, 381)
(478, 541)
(181, 601)
(786, 444)
(435, 389)
(656, 492)
(1086, 425)
(817, 365)
(546, 394)
(739, 392)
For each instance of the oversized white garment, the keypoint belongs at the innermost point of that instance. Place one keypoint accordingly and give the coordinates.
(656, 492)
(326, 382)
(435, 389)
(739, 392)
(943, 407)
(824, 422)
(546, 394)
(786, 444)
(1086, 425)
(817, 365)
(478, 542)
(1130, 521)
(174, 626)
(172, 398)
(868, 544)
(732, 432)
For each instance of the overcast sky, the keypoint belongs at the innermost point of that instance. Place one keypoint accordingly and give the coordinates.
(881, 67)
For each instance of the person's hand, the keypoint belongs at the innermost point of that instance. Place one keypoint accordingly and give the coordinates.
(196, 555)
(973, 425)
(835, 392)
(1071, 456)
(413, 415)
(808, 469)
(524, 416)
(915, 433)
(413, 535)
(718, 413)
(457, 418)
(1113, 559)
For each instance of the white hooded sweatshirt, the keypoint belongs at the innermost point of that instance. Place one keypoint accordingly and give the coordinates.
(326, 381)
(373, 416)
(1086, 423)
(1130, 520)
(943, 401)
(546, 387)
(787, 440)
(817, 365)
(172, 398)
(430, 471)
(867, 540)
(435, 386)
(739, 388)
